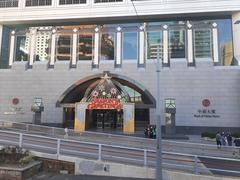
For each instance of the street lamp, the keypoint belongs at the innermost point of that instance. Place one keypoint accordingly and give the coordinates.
(159, 175)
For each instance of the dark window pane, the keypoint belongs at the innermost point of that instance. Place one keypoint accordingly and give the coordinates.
(107, 46)
(85, 46)
(22, 46)
(203, 43)
(154, 41)
(177, 43)
(64, 47)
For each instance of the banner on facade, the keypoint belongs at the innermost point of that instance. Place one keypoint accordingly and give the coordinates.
(105, 103)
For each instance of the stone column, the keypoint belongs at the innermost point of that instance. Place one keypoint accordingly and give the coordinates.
(165, 44)
(190, 44)
(33, 33)
(12, 45)
(21, 4)
(141, 62)
(236, 36)
(118, 62)
(74, 48)
(215, 44)
(96, 48)
(53, 49)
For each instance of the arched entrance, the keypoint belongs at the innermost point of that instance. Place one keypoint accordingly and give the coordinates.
(105, 101)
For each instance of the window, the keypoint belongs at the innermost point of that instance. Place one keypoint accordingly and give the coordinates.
(154, 41)
(203, 43)
(65, 2)
(225, 41)
(38, 3)
(107, 1)
(130, 45)
(8, 3)
(177, 43)
(85, 46)
(107, 46)
(22, 48)
(42, 50)
(64, 47)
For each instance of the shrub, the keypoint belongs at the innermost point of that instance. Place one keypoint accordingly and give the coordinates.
(26, 159)
(15, 154)
(208, 134)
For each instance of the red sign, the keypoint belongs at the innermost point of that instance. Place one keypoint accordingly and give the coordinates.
(15, 101)
(101, 103)
(206, 102)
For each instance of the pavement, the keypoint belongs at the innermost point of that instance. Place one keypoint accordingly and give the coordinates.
(50, 176)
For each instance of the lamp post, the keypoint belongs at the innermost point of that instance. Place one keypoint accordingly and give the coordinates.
(159, 175)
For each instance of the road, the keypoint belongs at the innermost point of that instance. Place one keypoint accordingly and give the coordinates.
(113, 153)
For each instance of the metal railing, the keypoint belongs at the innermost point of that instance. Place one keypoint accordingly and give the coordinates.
(123, 140)
(128, 155)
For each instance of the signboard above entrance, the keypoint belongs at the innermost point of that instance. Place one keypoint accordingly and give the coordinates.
(102, 103)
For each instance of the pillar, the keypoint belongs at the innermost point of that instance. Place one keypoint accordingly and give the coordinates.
(141, 53)
(236, 36)
(215, 44)
(53, 49)
(12, 45)
(190, 44)
(96, 48)
(118, 62)
(128, 118)
(165, 44)
(74, 48)
(80, 117)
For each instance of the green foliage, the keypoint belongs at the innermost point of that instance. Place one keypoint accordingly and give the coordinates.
(26, 159)
(15, 154)
(208, 135)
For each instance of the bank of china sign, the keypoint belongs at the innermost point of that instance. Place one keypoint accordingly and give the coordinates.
(206, 111)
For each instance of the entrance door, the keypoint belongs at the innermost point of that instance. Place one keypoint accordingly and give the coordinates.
(107, 119)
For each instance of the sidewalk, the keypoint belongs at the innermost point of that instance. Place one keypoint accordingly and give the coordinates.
(50, 176)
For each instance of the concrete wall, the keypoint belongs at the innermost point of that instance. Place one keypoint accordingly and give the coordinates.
(187, 85)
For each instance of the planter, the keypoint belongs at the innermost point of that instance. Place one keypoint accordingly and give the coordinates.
(14, 173)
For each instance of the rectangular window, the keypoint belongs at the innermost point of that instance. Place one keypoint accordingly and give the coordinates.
(65, 2)
(130, 46)
(177, 43)
(203, 43)
(85, 46)
(154, 41)
(22, 48)
(107, 46)
(43, 46)
(64, 47)
(107, 1)
(38, 3)
(8, 3)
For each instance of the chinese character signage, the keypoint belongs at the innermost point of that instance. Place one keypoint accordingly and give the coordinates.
(206, 111)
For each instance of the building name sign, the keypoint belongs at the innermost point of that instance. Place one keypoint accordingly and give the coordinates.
(206, 112)
(101, 103)
(14, 110)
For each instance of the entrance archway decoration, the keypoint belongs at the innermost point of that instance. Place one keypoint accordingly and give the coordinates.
(106, 93)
